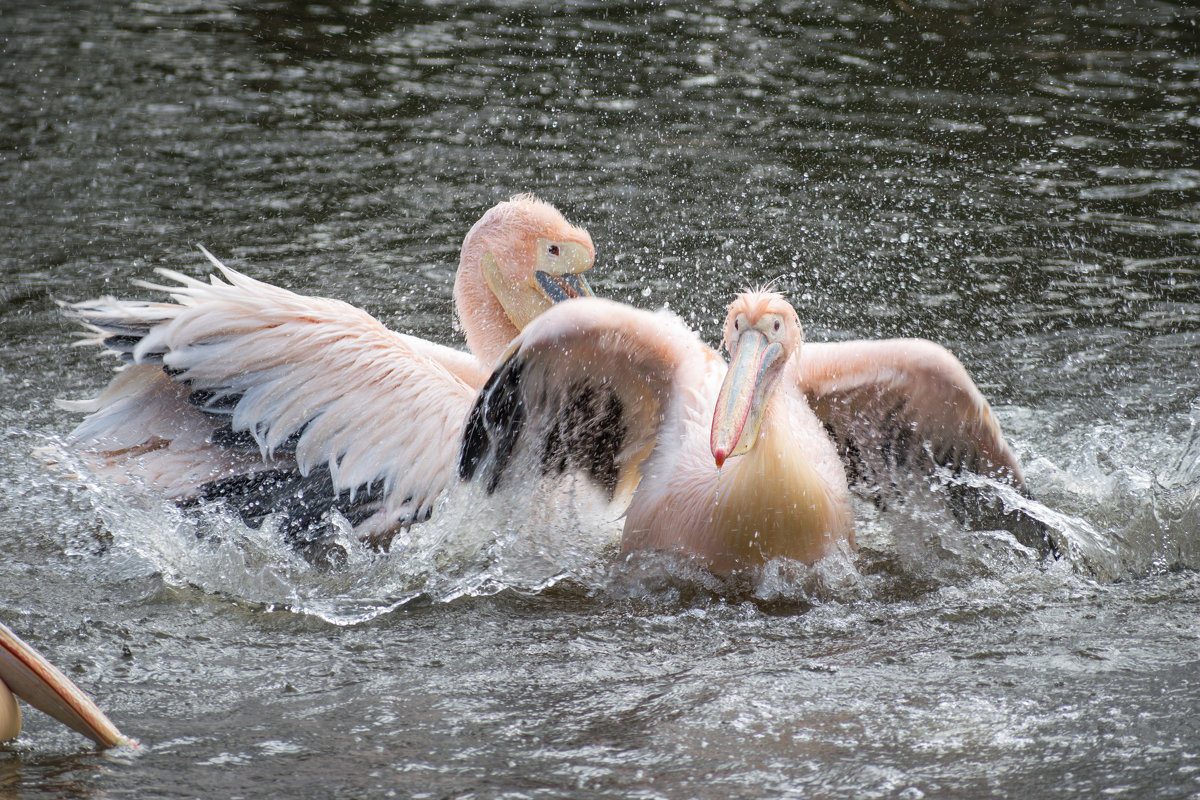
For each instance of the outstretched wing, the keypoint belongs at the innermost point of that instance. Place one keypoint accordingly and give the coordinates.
(903, 404)
(902, 408)
(276, 401)
(586, 388)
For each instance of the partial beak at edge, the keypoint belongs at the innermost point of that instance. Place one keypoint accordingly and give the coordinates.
(38, 682)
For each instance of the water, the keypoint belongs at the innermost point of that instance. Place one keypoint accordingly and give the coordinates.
(1017, 181)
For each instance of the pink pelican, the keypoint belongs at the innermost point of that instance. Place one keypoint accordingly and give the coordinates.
(279, 402)
(27, 674)
(733, 463)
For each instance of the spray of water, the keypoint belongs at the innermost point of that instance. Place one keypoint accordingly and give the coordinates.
(1108, 525)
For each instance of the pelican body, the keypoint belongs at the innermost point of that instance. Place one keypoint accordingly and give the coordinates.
(770, 483)
(278, 403)
(734, 463)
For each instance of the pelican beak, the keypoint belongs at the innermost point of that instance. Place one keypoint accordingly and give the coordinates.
(560, 268)
(754, 366)
(10, 715)
(38, 682)
(557, 276)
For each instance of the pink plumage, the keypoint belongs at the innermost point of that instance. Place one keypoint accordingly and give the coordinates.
(282, 402)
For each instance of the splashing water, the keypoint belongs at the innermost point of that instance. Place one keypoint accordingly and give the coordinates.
(529, 540)
(473, 546)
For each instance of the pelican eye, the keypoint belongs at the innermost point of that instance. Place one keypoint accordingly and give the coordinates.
(735, 325)
(776, 324)
(553, 250)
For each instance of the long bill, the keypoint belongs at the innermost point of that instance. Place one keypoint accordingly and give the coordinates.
(754, 366)
(38, 682)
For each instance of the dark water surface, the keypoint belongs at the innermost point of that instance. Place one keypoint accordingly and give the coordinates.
(1020, 181)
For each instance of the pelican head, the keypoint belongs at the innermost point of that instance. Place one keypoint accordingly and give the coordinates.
(524, 256)
(762, 334)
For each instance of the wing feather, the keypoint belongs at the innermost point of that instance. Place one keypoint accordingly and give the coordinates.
(238, 376)
(902, 408)
(905, 403)
(588, 388)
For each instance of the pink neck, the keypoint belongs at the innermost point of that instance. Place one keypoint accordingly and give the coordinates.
(484, 323)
